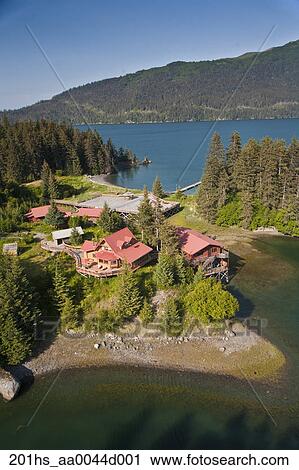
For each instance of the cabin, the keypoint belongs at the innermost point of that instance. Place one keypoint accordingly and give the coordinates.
(107, 257)
(63, 236)
(91, 213)
(206, 252)
(37, 213)
(10, 249)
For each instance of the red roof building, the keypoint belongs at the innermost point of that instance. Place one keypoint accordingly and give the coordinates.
(194, 244)
(92, 214)
(109, 255)
(204, 251)
(37, 213)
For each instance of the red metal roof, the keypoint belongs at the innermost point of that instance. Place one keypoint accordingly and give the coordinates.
(124, 244)
(117, 239)
(106, 255)
(89, 212)
(192, 241)
(135, 251)
(38, 212)
(89, 246)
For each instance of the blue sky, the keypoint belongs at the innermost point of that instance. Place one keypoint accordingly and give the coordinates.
(95, 39)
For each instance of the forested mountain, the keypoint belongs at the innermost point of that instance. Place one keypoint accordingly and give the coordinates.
(254, 185)
(25, 146)
(263, 85)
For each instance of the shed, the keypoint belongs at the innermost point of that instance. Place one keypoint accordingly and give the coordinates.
(62, 236)
(10, 249)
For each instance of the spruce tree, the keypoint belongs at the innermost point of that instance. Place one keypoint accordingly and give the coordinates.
(146, 220)
(69, 313)
(55, 217)
(45, 180)
(232, 156)
(173, 317)
(19, 313)
(165, 272)
(147, 313)
(130, 300)
(169, 240)
(157, 188)
(214, 185)
(183, 272)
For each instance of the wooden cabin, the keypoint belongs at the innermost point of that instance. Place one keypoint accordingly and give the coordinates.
(206, 252)
(106, 258)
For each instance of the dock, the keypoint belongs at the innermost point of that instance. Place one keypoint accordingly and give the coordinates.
(186, 188)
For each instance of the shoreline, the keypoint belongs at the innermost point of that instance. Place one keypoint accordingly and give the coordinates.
(190, 121)
(244, 356)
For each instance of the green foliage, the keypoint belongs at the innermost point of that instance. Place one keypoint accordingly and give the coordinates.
(110, 221)
(157, 188)
(207, 300)
(147, 313)
(130, 298)
(165, 272)
(146, 220)
(230, 214)
(55, 218)
(183, 271)
(262, 187)
(30, 150)
(75, 238)
(199, 91)
(212, 192)
(169, 240)
(19, 313)
(69, 312)
(173, 316)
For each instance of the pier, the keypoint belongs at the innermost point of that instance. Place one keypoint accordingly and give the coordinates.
(186, 188)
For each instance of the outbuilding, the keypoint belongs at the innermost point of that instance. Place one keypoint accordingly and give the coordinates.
(10, 249)
(63, 236)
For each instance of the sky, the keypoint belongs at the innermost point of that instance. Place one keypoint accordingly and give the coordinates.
(95, 39)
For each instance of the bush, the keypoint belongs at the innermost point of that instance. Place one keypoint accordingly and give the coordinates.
(207, 301)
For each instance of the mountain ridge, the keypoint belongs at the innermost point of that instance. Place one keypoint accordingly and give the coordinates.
(252, 85)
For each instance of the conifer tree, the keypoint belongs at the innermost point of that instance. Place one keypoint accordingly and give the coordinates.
(183, 272)
(214, 185)
(69, 313)
(55, 217)
(130, 300)
(53, 187)
(173, 317)
(157, 188)
(145, 220)
(169, 240)
(75, 238)
(45, 180)
(232, 156)
(147, 313)
(19, 313)
(165, 272)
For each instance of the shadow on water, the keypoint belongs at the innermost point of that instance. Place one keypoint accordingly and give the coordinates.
(246, 305)
(236, 263)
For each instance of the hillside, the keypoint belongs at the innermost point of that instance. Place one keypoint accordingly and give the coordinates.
(186, 90)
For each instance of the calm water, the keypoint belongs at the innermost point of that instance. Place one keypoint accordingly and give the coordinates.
(172, 146)
(142, 408)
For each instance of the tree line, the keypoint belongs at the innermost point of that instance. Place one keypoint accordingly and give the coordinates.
(24, 146)
(251, 185)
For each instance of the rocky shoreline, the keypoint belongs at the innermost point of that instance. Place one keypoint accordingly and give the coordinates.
(233, 354)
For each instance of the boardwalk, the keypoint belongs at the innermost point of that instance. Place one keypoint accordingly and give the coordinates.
(186, 188)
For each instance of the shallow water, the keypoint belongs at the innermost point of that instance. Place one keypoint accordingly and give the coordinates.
(142, 408)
